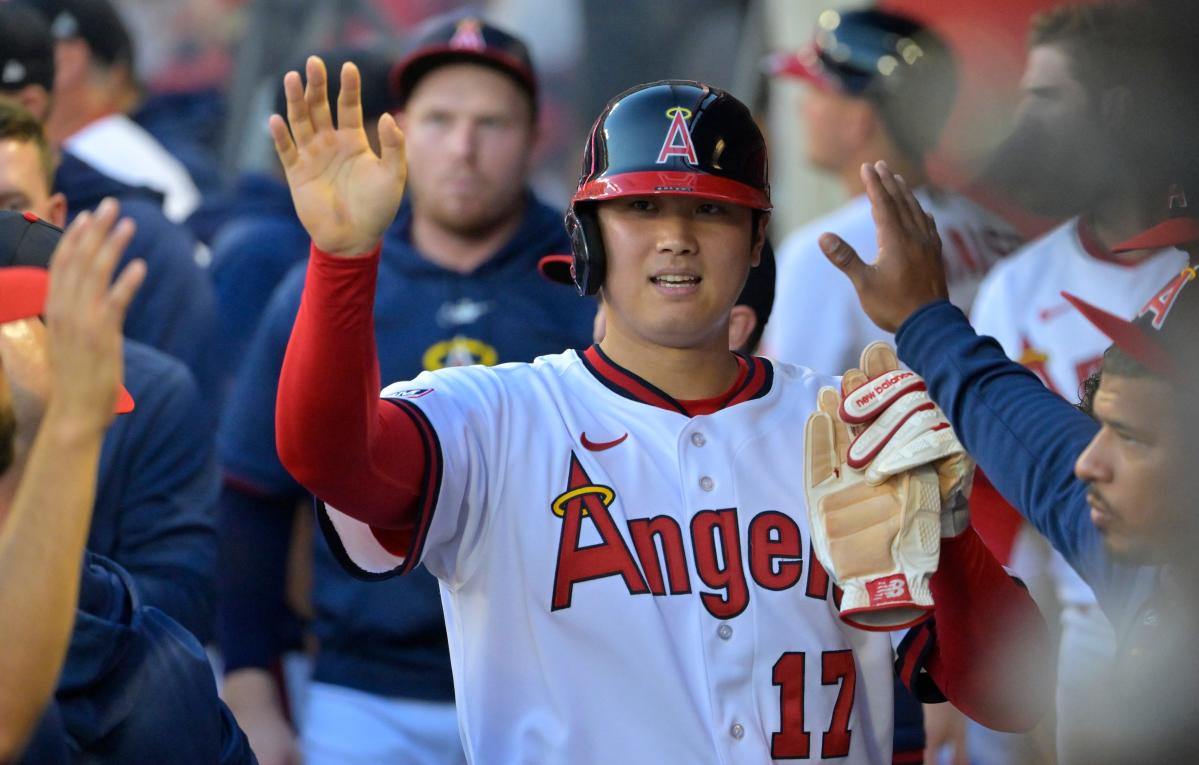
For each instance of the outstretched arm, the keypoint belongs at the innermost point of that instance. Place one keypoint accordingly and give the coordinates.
(43, 536)
(332, 433)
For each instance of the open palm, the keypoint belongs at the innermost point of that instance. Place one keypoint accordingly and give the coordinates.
(345, 195)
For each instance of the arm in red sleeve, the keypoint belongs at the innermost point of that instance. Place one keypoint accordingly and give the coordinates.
(332, 434)
(992, 656)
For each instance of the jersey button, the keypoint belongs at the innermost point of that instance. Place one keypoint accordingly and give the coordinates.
(737, 731)
(698, 439)
(724, 631)
(706, 483)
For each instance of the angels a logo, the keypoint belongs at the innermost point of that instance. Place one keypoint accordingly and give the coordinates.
(468, 35)
(1161, 303)
(656, 563)
(678, 137)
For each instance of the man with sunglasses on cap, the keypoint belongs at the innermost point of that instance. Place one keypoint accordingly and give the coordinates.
(619, 532)
(879, 85)
(459, 285)
(1113, 494)
(128, 683)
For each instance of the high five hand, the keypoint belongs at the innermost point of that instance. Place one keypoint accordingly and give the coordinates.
(909, 272)
(344, 194)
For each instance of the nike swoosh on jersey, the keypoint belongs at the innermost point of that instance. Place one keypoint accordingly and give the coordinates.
(599, 446)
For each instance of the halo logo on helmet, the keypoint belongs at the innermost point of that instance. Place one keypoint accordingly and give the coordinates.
(677, 132)
(711, 149)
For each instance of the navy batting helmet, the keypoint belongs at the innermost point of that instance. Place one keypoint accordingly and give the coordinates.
(666, 137)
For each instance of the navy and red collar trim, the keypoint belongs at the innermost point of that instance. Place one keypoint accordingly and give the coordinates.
(755, 380)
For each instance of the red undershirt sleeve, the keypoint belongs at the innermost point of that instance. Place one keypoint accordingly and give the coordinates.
(332, 432)
(992, 657)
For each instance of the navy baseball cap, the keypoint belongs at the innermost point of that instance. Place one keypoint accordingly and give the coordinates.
(464, 37)
(26, 48)
(26, 244)
(1180, 228)
(96, 22)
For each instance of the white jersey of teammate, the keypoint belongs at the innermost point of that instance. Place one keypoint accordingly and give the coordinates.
(626, 584)
(817, 320)
(1020, 304)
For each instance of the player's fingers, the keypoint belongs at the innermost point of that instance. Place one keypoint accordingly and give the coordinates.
(297, 109)
(933, 234)
(316, 94)
(819, 448)
(349, 98)
(108, 253)
(284, 146)
(123, 290)
(845, 258)
(892, 186)
(882, 206)
(393, 147)
(915, 211)
(91, 239)
(878, 358)
(829, 402)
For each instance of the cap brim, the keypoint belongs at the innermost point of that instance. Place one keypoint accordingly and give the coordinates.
(557, 268)
(1126, 335)
(801, 65)
(23, 296)
(22, 293)
(1173, 232)
(649, 183)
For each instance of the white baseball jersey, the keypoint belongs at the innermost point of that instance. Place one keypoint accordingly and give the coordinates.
(626, 584)
(1020, 304)
(817, 320)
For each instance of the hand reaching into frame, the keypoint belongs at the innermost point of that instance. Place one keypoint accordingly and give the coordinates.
(344, 194)
(909, 272)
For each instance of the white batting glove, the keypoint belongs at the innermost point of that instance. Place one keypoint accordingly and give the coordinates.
(900, 428)
(880, 541)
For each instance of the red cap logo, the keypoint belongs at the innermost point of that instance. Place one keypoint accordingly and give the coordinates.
(678, 137)
(468, 35)
(1160, 304)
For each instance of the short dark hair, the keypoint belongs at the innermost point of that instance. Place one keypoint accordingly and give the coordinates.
(18, 124)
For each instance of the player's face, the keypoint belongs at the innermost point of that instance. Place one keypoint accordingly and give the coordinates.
(675, 267)
(469, 133)
(1048, 161)
(831, 126)
(1132, 467)
(23, 182)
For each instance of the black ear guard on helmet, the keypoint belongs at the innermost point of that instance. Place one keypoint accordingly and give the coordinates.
(587, 248)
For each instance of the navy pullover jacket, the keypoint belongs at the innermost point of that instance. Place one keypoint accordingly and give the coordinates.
(387, 637)
(175, 310)
(135, 686)
(156, 495)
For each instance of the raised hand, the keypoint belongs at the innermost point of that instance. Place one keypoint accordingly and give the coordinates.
(345, 195)
(909, 272)
(85, 311)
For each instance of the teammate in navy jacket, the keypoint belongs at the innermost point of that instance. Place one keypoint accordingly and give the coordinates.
(1112, 493)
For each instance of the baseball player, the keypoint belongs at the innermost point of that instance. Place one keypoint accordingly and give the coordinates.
(130, 684)
(618, 532)
(1079, 57)
(1114, 494)
(880, 87)
(458, 285)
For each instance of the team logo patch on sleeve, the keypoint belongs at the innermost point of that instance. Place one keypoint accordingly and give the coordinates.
(412, 393)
